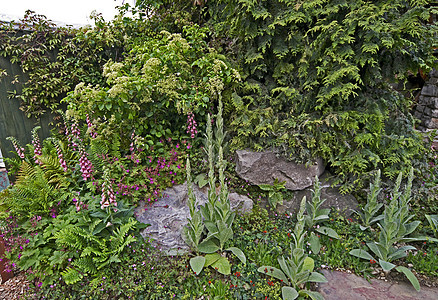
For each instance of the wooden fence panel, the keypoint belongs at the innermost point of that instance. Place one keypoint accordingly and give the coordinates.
(13, 121)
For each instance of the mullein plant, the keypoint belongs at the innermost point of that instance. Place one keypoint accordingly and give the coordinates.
(368, 213)
(395, 229)
(297, 269)
(209, 229)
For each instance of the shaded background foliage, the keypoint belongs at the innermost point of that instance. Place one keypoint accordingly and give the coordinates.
(320, 75)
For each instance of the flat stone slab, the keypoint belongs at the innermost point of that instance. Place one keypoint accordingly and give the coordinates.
(346, 286)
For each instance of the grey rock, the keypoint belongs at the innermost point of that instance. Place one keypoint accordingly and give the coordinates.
(433, 80)
(265, 167)
(169, 215)
(421, 108)
(430, 90)
(344, 204)
(418, 115)
(434, 113)
(427, 111)
(431, 123)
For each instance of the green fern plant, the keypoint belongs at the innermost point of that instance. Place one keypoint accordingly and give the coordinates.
(96, 252)
(32, 193)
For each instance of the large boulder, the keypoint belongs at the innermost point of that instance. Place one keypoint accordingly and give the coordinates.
(169, 215)
(264, 167)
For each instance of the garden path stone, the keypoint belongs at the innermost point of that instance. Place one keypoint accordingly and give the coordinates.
(348, 286)
(264, 167)
(344, 204)
(169, 214)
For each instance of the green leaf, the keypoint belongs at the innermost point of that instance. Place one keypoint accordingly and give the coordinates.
(315, 244)
(361, 254)
(239, 253)
(313, 295)
(400, 252)
(377, 249)
(289, 293)
(197, 263)
(275, 198)
(208, 246)
(274, 272)
(201, 180)
(308, 264)
(327, 231)
(71, 276)
(316, 277)
(386, 266)
(211, 258)
(410, 276)
(266, 187)
(222, 265)
(411, 227)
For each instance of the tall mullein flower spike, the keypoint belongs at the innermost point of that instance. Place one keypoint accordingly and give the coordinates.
(37, 150)
(223, 186)
(191, 200)
(220, 134)
(210, 154)
(20, 150)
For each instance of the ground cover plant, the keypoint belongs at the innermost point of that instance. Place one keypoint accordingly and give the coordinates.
(133, 125)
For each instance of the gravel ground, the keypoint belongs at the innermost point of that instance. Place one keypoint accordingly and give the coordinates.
(14, 288)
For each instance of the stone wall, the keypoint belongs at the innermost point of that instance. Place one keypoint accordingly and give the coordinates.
(427, 107)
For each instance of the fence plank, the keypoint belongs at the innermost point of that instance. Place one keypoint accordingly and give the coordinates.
(13, 121)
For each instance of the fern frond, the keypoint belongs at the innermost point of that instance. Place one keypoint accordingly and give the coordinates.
(53, 172)
(71, 276)
(86, 265)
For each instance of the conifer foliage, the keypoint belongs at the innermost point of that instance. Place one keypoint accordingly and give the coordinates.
(320, 74)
